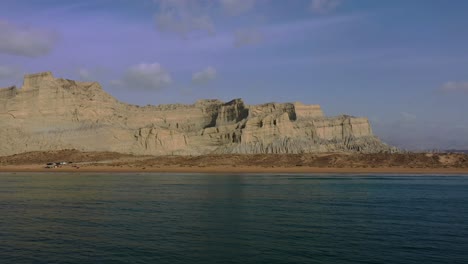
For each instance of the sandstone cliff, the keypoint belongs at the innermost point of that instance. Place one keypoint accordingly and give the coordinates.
(48, 113)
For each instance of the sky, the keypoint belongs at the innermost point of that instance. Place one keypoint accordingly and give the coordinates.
(403, 64)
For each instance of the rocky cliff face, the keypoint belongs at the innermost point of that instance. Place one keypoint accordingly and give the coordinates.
(50, 114)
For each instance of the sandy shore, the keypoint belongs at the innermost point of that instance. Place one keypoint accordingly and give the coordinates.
(237, 169)
(343, 163)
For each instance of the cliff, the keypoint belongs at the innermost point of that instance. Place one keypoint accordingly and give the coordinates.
(48, 113)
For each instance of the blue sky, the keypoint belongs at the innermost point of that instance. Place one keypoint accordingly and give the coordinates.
(403, 64)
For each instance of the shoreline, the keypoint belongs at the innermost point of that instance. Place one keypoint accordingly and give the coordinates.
(235, 170)
(307, 163)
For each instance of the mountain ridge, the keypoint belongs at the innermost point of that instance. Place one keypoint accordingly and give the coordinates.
(50, 113)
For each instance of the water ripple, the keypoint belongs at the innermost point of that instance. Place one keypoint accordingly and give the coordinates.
(196, 218)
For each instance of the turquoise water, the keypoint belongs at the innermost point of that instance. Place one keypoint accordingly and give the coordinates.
(170, 218)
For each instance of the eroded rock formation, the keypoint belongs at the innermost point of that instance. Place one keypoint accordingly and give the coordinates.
(48, 113)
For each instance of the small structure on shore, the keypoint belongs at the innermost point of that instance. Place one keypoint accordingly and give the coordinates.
(53, 165)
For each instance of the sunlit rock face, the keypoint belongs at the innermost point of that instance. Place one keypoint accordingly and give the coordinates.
(48, 113)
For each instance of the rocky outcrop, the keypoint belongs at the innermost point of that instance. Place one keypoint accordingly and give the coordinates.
(48, 113)
(32, 81)
(231, 112)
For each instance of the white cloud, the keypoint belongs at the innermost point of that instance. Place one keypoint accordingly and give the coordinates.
(25, 41)
(236, 7)
(324, 6)
(204, 76)
(455, 87)
(7, 72)
(183, 17)
(246, 37)
(145, 76)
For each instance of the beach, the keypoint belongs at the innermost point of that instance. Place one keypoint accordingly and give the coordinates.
(237, 169)
(396, 163)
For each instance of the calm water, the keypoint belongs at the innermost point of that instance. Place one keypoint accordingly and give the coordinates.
(169, 218)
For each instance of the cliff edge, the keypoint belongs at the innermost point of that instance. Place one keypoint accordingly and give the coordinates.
(49, 113)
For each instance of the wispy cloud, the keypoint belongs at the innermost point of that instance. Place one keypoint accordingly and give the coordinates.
(204, 76)
(324, 6)
(183, 17)
(145, 76)
(245, 37)
(26, 41)
(455, 87)
(237, 7)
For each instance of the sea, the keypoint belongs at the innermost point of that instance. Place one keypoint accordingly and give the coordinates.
(232, 218)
